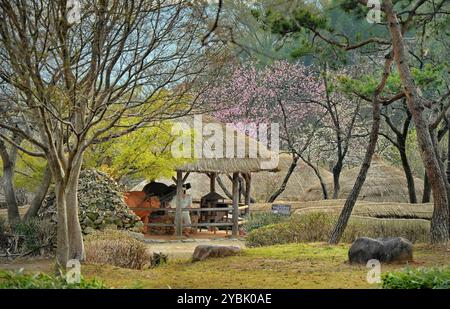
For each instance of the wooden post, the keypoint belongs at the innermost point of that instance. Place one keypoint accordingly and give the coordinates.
(212, 182)
(235, 204)
(248, 191)
(178, 223)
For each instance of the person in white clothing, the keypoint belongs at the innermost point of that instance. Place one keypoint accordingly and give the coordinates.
(186, 202)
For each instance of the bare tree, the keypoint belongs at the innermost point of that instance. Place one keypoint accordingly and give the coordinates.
(121, 65)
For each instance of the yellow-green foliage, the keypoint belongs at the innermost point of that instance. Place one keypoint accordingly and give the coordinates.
(317, 226)
(142, 153)
(116, 248)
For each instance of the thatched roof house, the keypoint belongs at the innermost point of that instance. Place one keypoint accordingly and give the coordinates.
(384, 183)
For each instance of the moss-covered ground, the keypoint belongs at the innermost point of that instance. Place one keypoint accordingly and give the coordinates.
(315, 265)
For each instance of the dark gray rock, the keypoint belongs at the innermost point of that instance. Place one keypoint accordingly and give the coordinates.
(387, 250)
(202, 252)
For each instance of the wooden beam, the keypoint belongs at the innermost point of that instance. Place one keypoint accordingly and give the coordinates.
(248, 191)
(212, 182)
(178, 225)
(235, 204)
(186, 176)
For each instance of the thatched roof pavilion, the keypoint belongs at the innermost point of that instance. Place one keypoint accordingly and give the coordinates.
(241, 163)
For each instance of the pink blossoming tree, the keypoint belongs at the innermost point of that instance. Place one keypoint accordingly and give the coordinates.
(317, 122)
(283, 93)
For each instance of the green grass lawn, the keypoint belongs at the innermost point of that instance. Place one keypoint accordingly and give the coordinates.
(314, 265)
(285, 266)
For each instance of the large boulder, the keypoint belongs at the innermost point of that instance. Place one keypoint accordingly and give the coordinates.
(202, 252)
(101, 204)
(387, 250)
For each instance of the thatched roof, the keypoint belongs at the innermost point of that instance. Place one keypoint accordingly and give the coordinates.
(263, 183)
(384, 183)
(223, 165)
(245, 163)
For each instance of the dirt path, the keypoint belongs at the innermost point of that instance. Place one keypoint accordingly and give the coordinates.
(179, 250)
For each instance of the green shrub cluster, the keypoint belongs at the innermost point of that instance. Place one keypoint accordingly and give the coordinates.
(421, 278)
(19, 280)
(317, 227)
(256, 220)
(116, 247)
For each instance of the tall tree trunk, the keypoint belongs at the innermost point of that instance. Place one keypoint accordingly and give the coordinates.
(62, 238)
(340, 226)
(281, 189)
(426, 189)
(39, 195)
(337, 169)
(9, 163)
(76, 246)
(439, 221)
(408, 173)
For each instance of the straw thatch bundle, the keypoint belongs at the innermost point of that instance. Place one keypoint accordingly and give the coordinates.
(384, 183)
(263, 182)
(230, 155)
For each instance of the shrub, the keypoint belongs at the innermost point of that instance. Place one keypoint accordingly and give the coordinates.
(317, 227)
(34, 237)
(116, 247)
(3, 225)
(39, 236)
(19, 280)
(421, 278)
(257, 220)
(158, 258)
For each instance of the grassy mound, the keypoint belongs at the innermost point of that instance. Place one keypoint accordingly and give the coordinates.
(317, 227)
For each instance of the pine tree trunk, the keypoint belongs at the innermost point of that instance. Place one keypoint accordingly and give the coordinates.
(439, 221)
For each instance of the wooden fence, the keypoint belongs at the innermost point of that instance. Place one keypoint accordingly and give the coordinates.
(234, 220)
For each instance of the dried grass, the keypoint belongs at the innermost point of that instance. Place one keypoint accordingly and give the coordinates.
(384, 183)
(362, 208)
(317, 227)
(116, 248)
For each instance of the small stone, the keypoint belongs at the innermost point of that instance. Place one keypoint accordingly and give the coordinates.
(88, 230)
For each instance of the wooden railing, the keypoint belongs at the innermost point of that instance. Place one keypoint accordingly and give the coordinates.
(205, 224)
